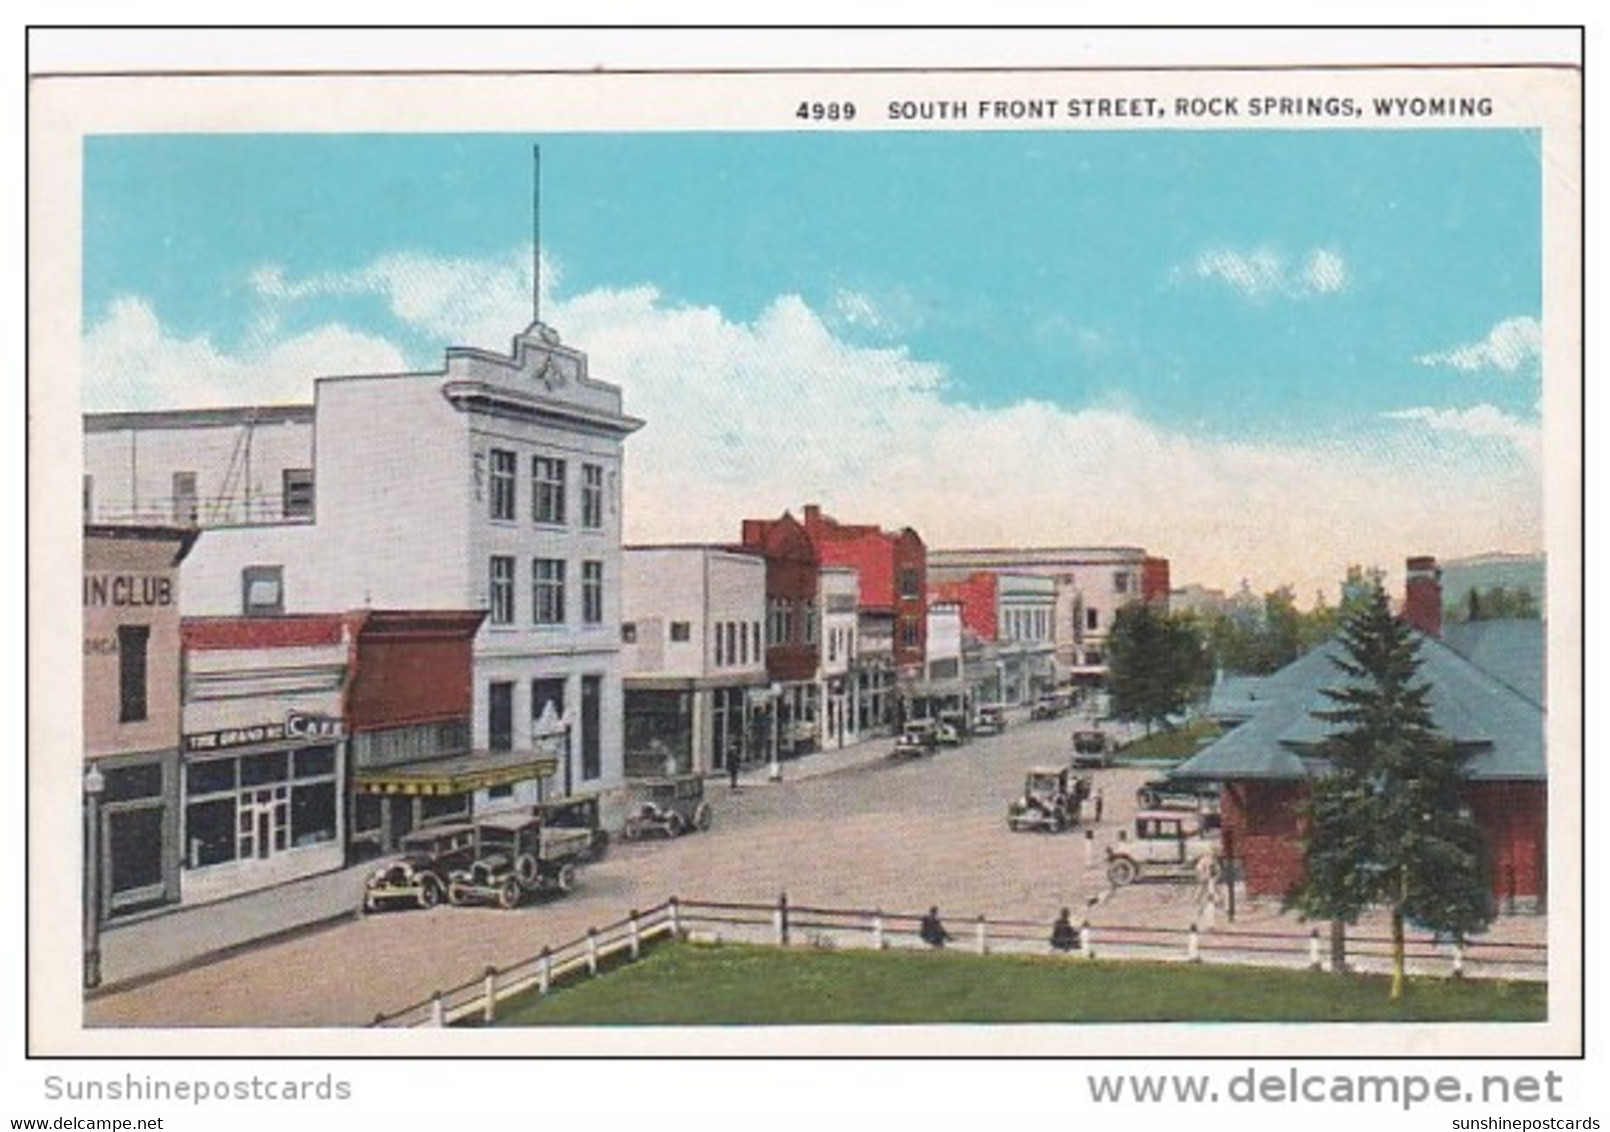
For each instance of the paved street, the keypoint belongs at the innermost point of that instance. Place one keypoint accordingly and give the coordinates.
(873, 833)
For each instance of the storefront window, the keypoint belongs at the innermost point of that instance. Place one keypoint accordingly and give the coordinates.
(438, 809)
(313, 813)
(261, 770)
(210, 832)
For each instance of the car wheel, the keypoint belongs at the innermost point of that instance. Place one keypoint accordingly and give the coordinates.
(565, 879)
(508, 893)
(525, 868)
(1122, 871)
(702, 816)
(457, 894)
(430, 892)
(674, 825)
(633, 829)
(1058, 824)
(367, 906)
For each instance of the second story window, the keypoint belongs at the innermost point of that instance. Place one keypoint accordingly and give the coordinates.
(1092, 618)
(592, 496)
(262, 591)
(184, 499)
(548, 591)
(502, 497)
(592, 592)
(680, 631)
(501, 593)
(910, 584)
(297, 500)
(132, 641)
(548, 489)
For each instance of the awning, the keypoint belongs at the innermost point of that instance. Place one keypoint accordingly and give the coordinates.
(457, 774)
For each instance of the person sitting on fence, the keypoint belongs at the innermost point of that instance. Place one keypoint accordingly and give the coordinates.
(933, 932)
(1064, 937)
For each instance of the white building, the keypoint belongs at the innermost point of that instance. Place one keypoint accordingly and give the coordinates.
(942, 687)
(693, 657)
(493, 484)
(1025, 613)
(1092, 584)
(838, 691)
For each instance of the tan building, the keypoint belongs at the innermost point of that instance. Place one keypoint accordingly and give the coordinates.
(131, 718)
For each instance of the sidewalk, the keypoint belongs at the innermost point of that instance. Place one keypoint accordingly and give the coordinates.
(174, 939)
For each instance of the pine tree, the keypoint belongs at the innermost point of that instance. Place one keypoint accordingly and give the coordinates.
(1385, 824)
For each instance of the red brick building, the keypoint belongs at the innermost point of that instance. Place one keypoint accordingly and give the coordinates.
(1496, 725)
(793, 582)
(977, 594)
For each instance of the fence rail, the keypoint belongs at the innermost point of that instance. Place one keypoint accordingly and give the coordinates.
(785, 925)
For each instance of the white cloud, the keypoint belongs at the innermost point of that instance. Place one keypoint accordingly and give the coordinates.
(130, 361)
(1486, 422)
(1512, 346)
(750, 418)
(1266, 272)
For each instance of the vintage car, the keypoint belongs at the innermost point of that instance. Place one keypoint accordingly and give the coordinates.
(516, 855)
(1181, 794)
(419, 877)
(1092, 748)
(950, 730)
(1167, 843)
(919, 737)
(577, 813)
(991, 720)
(1052, 705)
(671, 806)
(1052, 800)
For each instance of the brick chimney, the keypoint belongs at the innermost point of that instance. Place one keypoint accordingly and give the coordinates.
(1422, 596)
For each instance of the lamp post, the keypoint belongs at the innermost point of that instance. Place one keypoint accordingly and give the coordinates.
(94, 785)
(775, 771)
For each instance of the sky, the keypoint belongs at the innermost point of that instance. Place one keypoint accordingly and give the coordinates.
(1265, 355)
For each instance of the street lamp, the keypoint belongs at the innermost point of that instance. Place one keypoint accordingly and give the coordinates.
(775, 771)
(94, 786)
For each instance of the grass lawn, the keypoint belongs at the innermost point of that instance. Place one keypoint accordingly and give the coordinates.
(1172, 746)
(724, 984)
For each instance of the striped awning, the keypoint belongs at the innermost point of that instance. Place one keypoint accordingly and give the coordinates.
(456, 774)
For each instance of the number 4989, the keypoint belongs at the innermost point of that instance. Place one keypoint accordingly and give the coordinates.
(826, 111)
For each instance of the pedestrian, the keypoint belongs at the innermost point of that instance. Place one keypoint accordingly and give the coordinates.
(732, 768)
(933, 932)
(1098, 805)
(1063, 935)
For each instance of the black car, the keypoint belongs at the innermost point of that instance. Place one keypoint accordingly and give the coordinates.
(419, 876)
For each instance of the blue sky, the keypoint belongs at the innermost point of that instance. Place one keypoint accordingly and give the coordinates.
(1345, 308)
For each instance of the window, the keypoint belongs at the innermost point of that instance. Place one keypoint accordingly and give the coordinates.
(732, 642)
(89, 499)
(297, 502)
(910, 584)
(501, 603)
(592, 690)
(776, 623)
(910, 635)
(131, 671)
(546, 693)
(743, 643)
(502, 497)
(592, 496)
(262, 590)
(1092, 618)
(810, 624)
(1120, 582)
(547, 489)
(754, 633)
(500, 715)
(548, 591)
(721, 655)
(680, 631)
(628, 632)
(592, 592)
(184, 498)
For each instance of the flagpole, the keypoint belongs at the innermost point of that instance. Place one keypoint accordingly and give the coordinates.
(536, 234)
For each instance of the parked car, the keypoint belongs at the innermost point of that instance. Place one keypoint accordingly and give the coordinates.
(1180, 794)
(419, 876)
(1052, 705)
(517, 855)
(919, 737)
(951, 728)
(1052, 800)
(991, 720)
(577, 813)
(1166, 843)
(1092, 747)
(671, 806)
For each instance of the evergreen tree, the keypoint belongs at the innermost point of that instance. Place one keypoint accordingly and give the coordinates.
(1386, 825)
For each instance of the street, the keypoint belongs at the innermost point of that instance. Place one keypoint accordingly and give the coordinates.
(895, 835)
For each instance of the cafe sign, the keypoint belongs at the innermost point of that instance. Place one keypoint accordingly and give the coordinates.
(297, 725)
